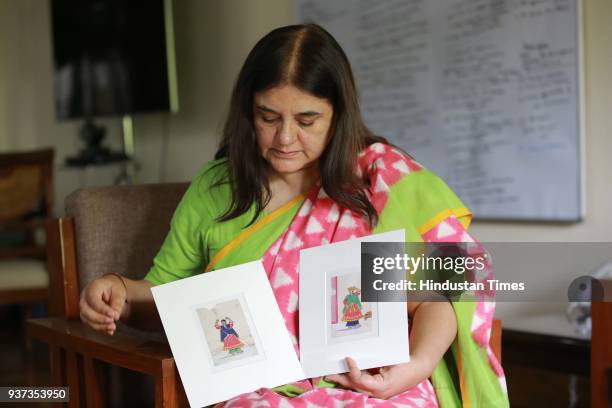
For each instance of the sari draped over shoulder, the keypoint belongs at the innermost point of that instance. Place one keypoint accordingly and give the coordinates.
(405, 195)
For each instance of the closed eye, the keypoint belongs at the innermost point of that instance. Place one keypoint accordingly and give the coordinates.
(269, 120)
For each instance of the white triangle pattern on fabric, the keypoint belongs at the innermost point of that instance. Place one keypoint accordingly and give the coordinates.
(262, 403)
(347, 221)
(466, 237)
(313, 226)
(477, 321)
(378, 147)
(292, 241)
(333, 391)
(380, 185)
(284, 404)
(306, 207)
(419, 402)
(341, 403)
(322, 194)
(275, 247)
(445, 230)
(292, 304)
(401, 166)
(281, 278)
(334, 213)
(380, 164)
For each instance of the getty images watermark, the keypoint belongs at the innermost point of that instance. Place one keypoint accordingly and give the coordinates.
(508, 272)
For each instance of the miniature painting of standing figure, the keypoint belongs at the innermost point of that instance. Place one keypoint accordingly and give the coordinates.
(350, 316)
(229, 337)
(351, 313)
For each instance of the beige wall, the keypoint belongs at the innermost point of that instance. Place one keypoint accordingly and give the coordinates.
(213, 38)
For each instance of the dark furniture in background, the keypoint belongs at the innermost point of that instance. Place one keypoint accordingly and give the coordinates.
(26, 203)
(544, 370)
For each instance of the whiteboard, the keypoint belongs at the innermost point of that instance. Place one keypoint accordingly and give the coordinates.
(486, 93)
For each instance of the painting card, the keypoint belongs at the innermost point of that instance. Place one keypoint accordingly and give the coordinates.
(226, 333)
(335, 323)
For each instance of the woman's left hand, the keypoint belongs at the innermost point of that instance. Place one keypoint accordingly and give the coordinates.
(384, 382)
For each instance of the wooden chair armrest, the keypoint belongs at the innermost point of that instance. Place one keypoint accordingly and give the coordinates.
(122, 349)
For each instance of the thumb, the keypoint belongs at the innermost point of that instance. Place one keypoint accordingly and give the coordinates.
(117, 301)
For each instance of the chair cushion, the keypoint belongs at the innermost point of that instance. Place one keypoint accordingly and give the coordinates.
(121, 228)
(23, 274)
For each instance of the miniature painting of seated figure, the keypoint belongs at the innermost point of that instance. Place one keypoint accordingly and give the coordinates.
(349, 315)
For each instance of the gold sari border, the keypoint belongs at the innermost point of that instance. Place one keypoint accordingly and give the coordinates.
(463, 215)
(230, 246)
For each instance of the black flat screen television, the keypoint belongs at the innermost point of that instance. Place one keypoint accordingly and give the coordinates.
(113, 57)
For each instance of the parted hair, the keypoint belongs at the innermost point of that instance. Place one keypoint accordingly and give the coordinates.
(307, 57)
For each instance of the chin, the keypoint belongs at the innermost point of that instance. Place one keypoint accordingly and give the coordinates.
(286, 166)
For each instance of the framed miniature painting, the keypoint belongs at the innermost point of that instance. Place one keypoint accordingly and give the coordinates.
(336, 323)
(226, 333)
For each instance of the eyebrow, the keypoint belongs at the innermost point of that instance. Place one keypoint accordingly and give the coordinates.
(265, 109)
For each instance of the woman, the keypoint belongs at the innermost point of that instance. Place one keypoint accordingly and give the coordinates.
(297, 168)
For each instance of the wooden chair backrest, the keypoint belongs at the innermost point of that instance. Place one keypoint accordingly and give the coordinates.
(26, 184)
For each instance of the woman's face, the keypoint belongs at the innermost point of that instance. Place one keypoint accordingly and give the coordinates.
(292, 127)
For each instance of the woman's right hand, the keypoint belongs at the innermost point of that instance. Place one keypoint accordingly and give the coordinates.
(102, 302)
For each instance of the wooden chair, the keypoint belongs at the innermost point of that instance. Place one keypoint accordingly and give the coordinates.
(118, 229)
(106, 229)
(26, 203)
(601, 349)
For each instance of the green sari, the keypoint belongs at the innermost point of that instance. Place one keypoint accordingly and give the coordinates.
(418, 201)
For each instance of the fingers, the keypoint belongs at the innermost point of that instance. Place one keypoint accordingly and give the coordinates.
(117, 301)
(352, 379)
(97, 299)
(96, 320)
(354, 371)
(340, 379)
(362, 380)
(95, 309)
(375, 385)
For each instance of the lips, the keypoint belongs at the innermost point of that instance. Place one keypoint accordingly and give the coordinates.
(285, 155)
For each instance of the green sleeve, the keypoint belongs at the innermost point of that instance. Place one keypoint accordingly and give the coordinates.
(183, 252)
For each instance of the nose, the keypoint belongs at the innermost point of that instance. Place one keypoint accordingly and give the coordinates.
(287, 134)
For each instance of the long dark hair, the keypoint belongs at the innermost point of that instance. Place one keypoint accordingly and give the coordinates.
(309, 58)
